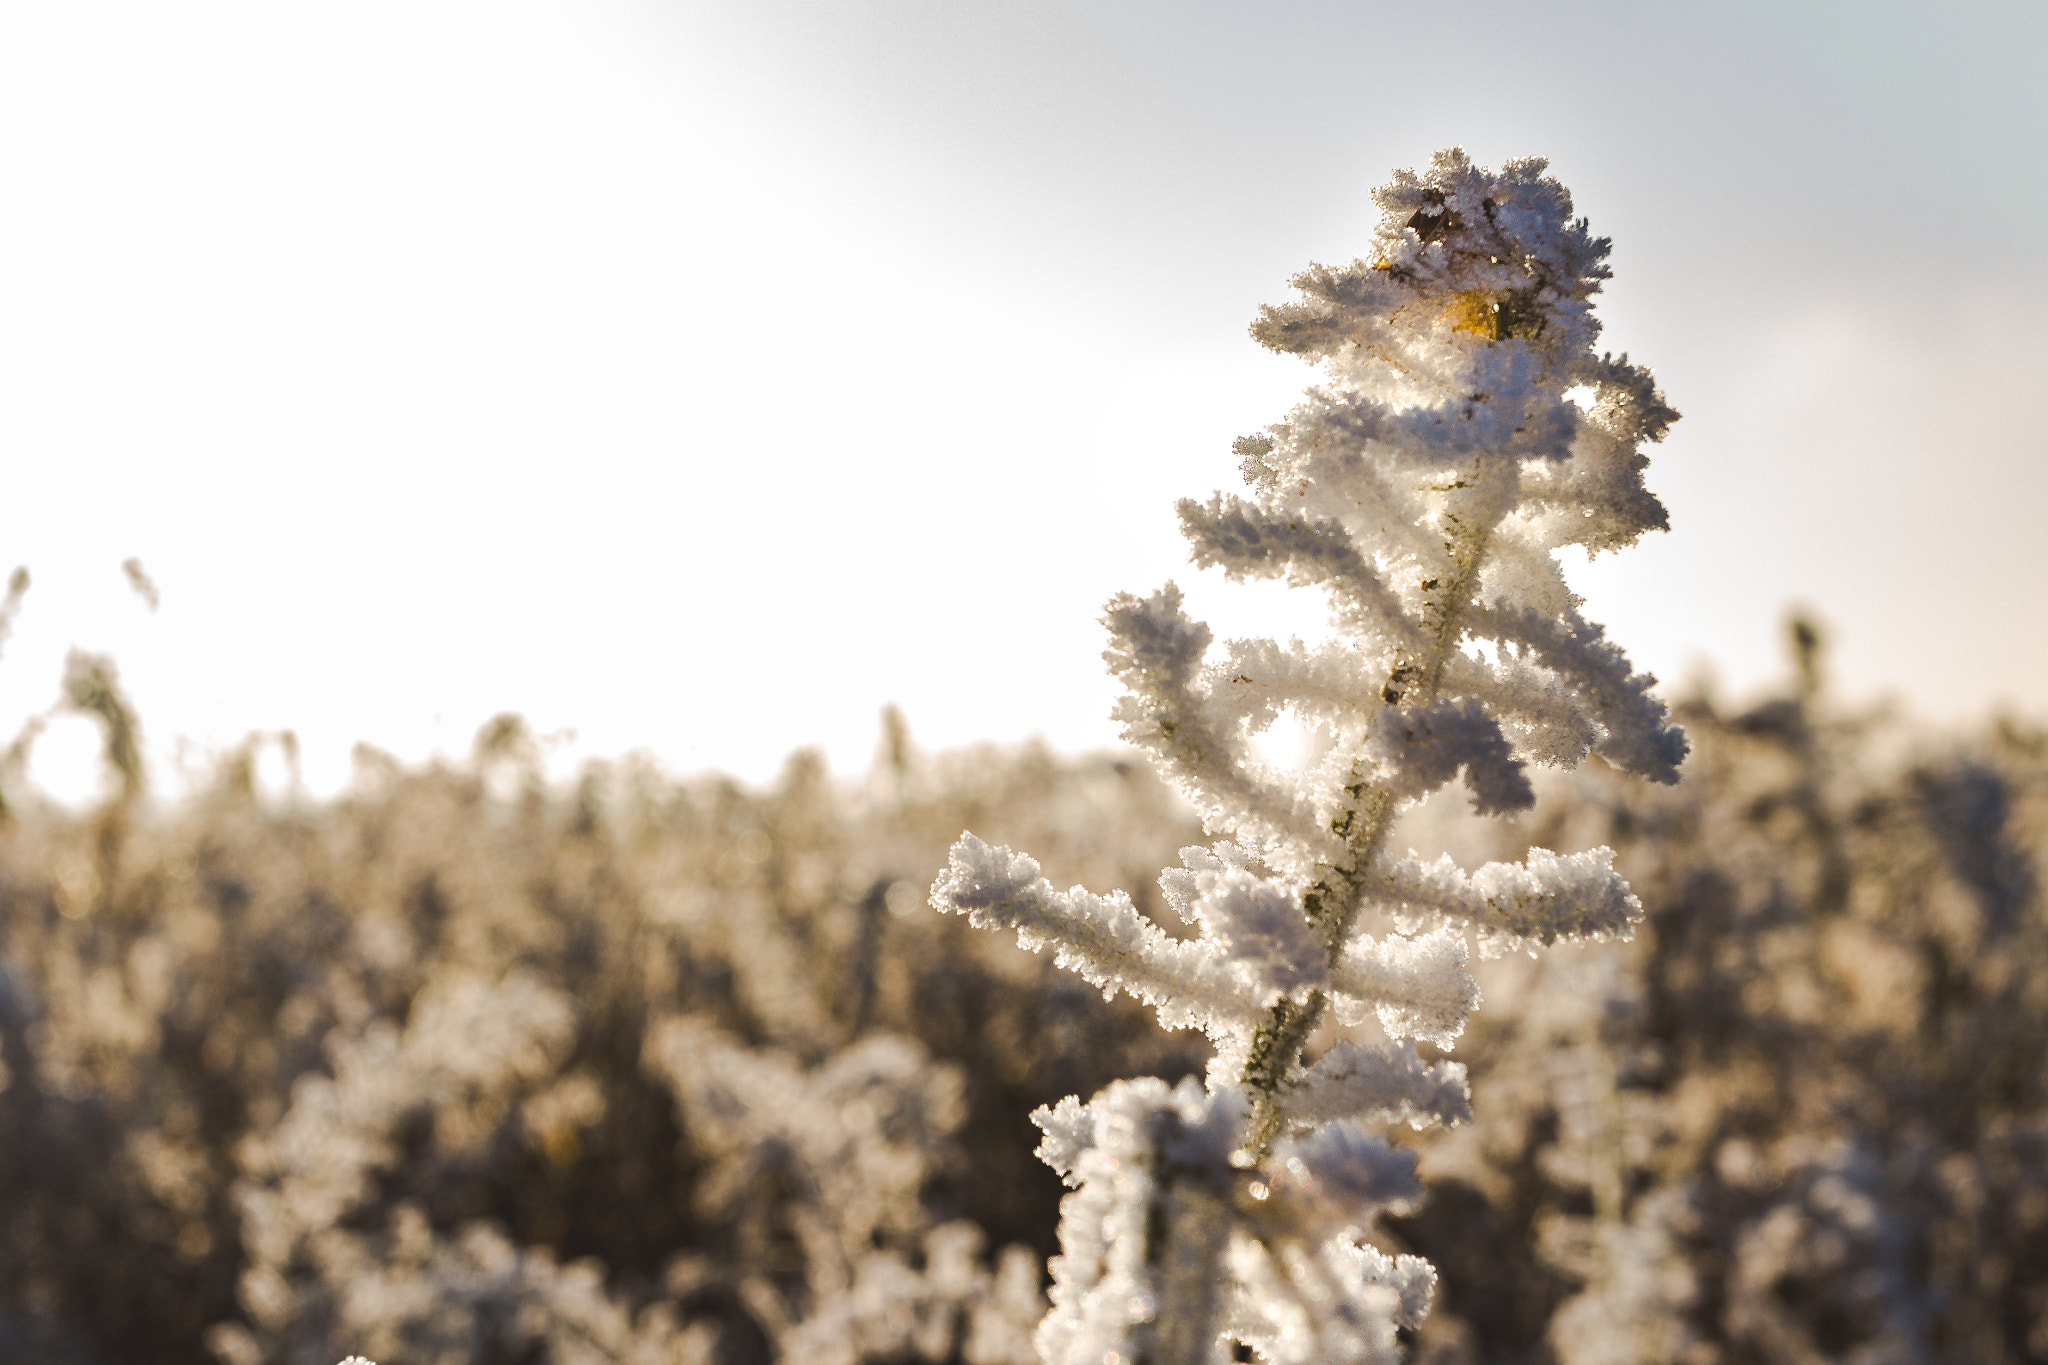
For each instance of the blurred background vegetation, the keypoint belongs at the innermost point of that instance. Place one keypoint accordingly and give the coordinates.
(464, 1067)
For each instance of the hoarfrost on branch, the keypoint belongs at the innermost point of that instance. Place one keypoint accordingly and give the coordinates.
(1424, 486)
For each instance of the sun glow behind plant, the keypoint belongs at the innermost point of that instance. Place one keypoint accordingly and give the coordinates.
(440, 358)
(613, 362)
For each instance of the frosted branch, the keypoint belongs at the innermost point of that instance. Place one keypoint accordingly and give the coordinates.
(1540, 713)
(1638, 739)
(1142, 1236)
(1420, 748)
(1332, 1304)
(1390, 1084)
(1249, 541)
(1157, 651)
(1418, 987)
(1577, 897)
(1103, 939)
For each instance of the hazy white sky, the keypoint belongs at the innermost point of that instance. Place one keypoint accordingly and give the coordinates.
(702, 376)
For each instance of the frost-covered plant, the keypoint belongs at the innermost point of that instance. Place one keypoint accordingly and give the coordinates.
(827, 1166)
(1463, 432)
(1834, 1056)
(325, 1266)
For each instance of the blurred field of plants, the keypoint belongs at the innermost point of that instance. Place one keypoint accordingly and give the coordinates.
(462, 1067)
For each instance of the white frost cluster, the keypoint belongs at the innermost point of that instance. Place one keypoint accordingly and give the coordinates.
(849, 1144)
(1256, 948)
(1464, 430)
(321, 1269)
(1161, 1219)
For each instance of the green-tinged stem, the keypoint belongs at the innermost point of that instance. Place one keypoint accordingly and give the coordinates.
(1332, 905)
(1332, 901)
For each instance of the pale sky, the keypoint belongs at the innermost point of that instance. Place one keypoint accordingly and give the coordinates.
(700, 377)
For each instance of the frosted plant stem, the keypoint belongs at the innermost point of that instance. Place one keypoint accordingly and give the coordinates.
(1426, 485)
(1331, 903)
